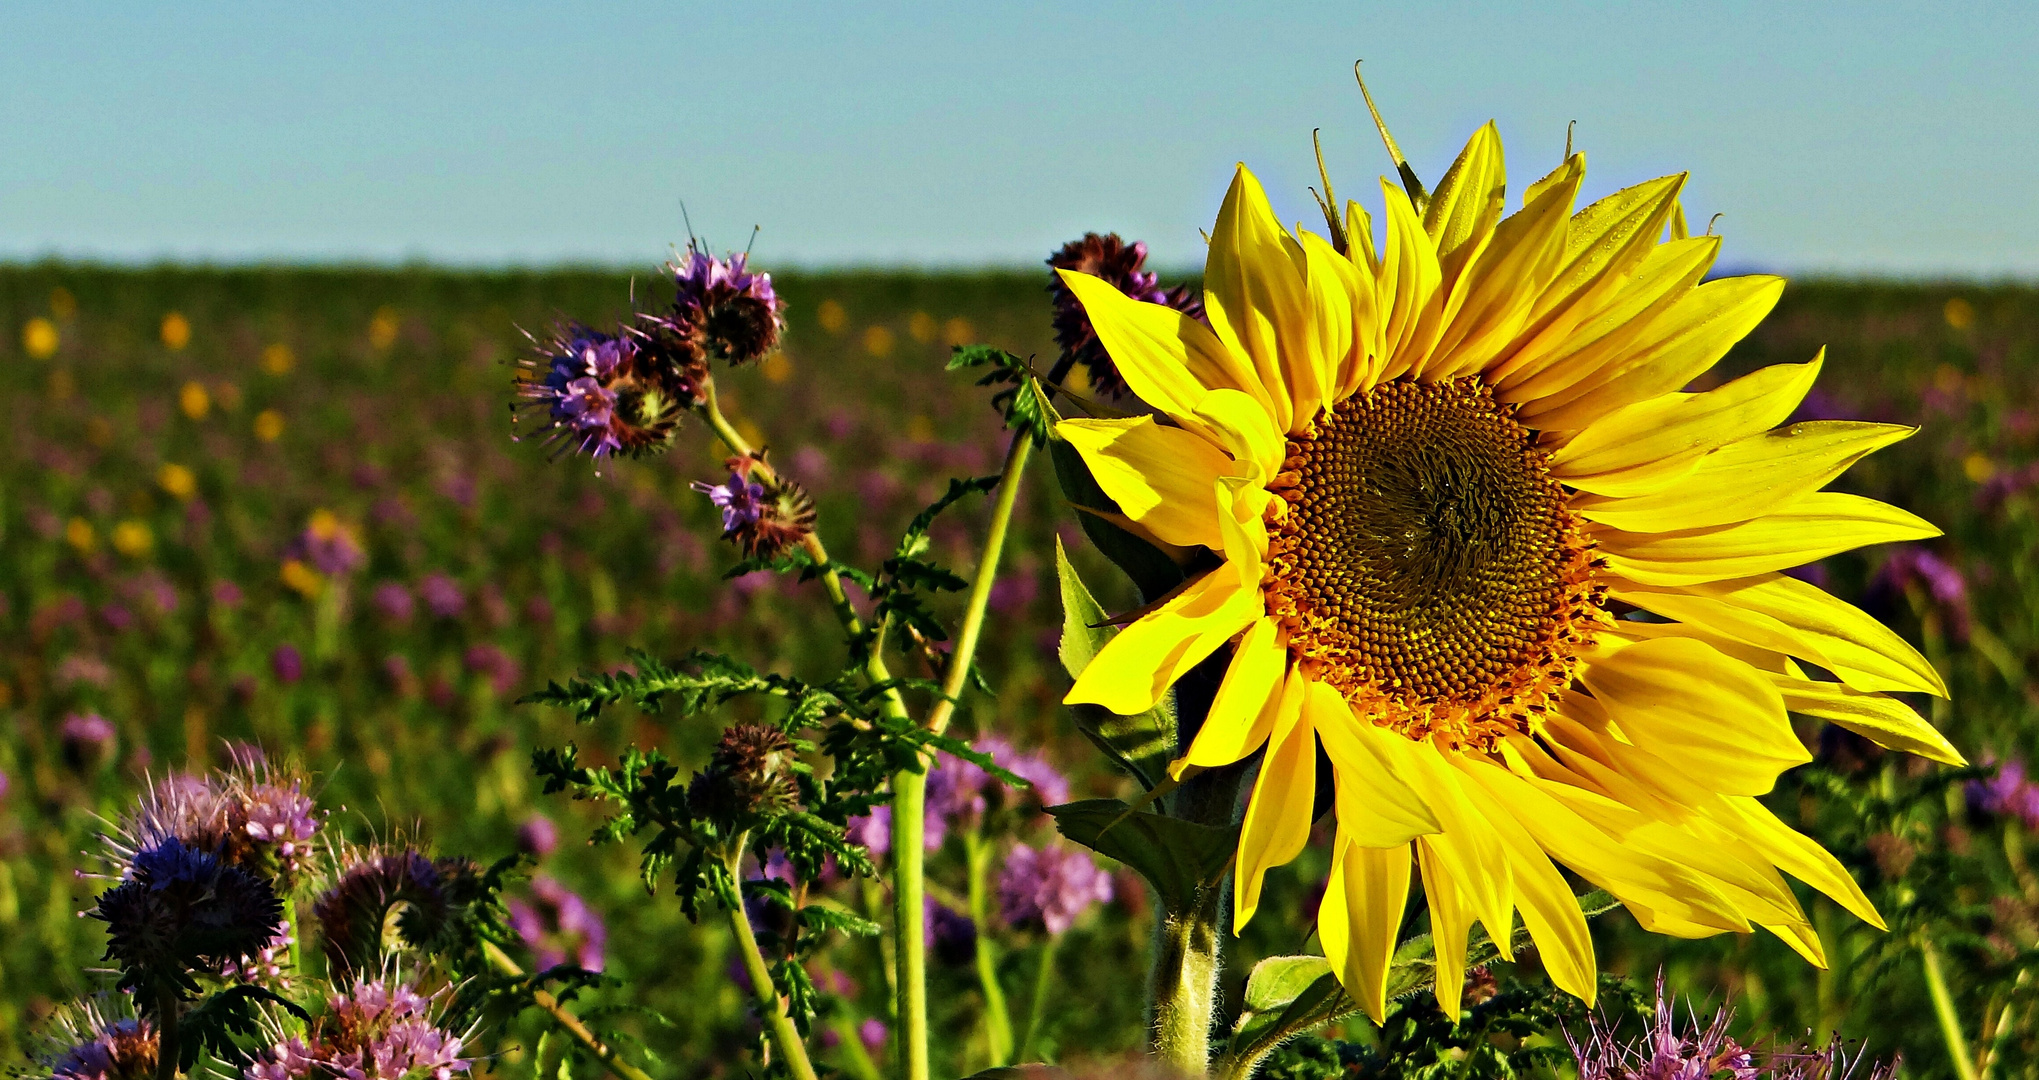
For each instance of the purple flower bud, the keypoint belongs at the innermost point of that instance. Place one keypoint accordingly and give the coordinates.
(89, 741)
(181, 909)
(394, 602)
(287, 663)
(873, 1033)
(2007, 794)
(558, 926)
(1122, 266)
(226, 594)
(352, 912)
(741, 500)
(1048, 888)
(442, 596)
(873, 831)
(950, 934)
(721, 308)
(537, 836)
(763, 519)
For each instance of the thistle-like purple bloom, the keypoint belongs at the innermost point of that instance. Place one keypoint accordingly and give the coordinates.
(874, 831)
(960, 791)
(1123, 266)
(537, 836)
(394, 602)
(604, 394)
(1663, 1052)
(741, 500)
(88, 741)
(1049, 887)
(722, 308)
(375, 1030)
(762, 517)
(442, 596)
(2010, 793)
(179, 910)
(1911, 567)
(558, 926)
(89, 1045)
(287, 663)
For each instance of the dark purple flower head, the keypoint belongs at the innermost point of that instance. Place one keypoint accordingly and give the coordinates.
(180, 910)
(2009, 793)
(287, 663)
(558, 927)
(764, 518)
(1049, 887)
(226, 594)
(1913, 570)
(722, 308)
(1663, 1052)
(603, 394)
(951, 935)
(442, 596)
(394, 602)
(89, 1044)
(89, 741)
(1123, 266)
(489, 661)
(329, 545)
(753, 774)
(537, 836)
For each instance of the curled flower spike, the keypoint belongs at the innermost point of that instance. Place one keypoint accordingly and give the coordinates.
(370, 884)
(604, 394)
(182, 910)
(764, 518)
(92, 1042)
(1123, 265)
(721, 309)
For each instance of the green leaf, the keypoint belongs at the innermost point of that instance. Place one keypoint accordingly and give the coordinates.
(1152, 571)
(1142, 744)
(1179, 858)
(1278, 980)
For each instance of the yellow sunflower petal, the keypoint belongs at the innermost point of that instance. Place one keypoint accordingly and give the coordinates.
(1244, 429)
(1469, 200)
(1360, 918)
(1748, 477)
(1503, 283)
(1243, 712)
(1796, 854)
(1608, 334)
(1465, 842)
(1376, 807)
(1774, 611)
(1689, 338)
(1161, 477)
(1277, 822)
(1549, 910)
(1334, 287)
(1813, 528)
(1686, 701)
(1169, 359)
(1255, 297)
(1645, 447)
(1885, 721)
(1451, 919)
(1409, 285)
(1138, 664)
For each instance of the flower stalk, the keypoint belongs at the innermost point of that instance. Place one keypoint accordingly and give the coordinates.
(997, 1018)
(1037, 1006)
(1185, 985)
(771, 1009)
(567, 1021)
(1943, 1010)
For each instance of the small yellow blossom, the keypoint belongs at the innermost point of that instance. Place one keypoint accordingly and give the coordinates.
(176, 480)
(194, 401)
(133, 539)
(176, 331)
(383, 328)
(323, 524)
(922, 326)
(62, 304)
(302, 579)
(878, 341)
(958, 331)
(79, 534)
(1978, 466)
(269, 425)
(278, 359)
(778, 367)
(39, 337)
(832, 317)
(1960, 313)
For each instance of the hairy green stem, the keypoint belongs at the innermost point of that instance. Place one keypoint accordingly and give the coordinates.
(1185, 991)
(997, 1019)
(980, 590)
(567, 1021)
(771, 1010)
(167, 1048)
(1037, 1007)
(1943, 1008)
(909, 808)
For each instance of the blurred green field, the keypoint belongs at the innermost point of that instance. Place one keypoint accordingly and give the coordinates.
(172, 432)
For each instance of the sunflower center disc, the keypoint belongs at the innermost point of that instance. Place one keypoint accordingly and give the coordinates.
(1428, 566)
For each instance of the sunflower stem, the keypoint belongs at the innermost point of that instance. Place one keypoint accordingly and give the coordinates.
(1943, 1009)
(771, 1008)
(567, 1021)
(1185, 985)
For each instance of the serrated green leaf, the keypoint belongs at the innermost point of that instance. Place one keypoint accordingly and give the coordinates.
(1142, 744)
(1179, 858)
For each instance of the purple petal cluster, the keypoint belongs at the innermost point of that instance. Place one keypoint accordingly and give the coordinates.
(251, 816)
(88, 741)
(722, 309)
(2009, 793)
(959, 791)
(763, 517)
(1049, 887)
(1664, 1052)
(375, 1030)
(604, 394)
(741, 500)
(558, 926)
(330, 546)
(1123, 266)
(2006, 484)
(92, 1046)
(182, 909)
(537, 836)
(1912, 568)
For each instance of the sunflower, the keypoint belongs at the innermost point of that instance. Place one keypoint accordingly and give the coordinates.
(1460, 525)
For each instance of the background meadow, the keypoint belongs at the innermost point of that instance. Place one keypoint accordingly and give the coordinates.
(179, 439)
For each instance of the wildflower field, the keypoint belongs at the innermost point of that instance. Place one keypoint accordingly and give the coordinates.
(285, 514)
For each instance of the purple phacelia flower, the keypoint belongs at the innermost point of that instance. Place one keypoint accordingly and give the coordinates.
(604, 394)
(2004, 485)
(873, 1033)
(179, 910)
(1663, 1052)
(286, 663)
(329, 545)
(442, 595)
(874, 831)
(1049, 887)
(764, 518)
(537, 836)
(268, 965)
(89, 741)
(85, 1043)
(489, 661)
(558, 927)
(741, 500)
(2008, 793)
(951, 935)
(959, 791)
(1912, 569)
(375, 1029)
(394, 602)
(1123, 266)
(226, 594)
(721, 309)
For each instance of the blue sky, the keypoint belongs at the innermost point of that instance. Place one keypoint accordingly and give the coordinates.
(1834, 138)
